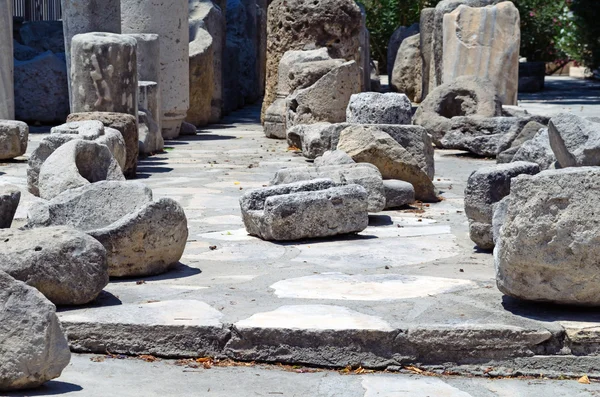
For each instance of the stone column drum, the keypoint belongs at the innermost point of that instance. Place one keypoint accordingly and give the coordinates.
(168, 19)
(85, 16)
(7, 92)
(104, 73)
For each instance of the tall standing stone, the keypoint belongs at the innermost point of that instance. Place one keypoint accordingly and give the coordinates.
(168, 19)
(484, 42)
(88, 16)
(298, 24)
(104, 73)
(201, 76)
(7, 92)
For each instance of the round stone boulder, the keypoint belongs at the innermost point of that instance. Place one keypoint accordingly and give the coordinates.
(74, 164)
(376, 108)
(141, 237)
(549, 242)
(34, 349)
(398, 193)
(66, 265)
(13, 139)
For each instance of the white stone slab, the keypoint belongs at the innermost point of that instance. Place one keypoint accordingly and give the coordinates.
(378, 287)
(314, 317)
(396, 386)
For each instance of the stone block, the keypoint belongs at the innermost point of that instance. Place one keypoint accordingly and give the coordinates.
(376, 108)
(398, 193)
(13, 139)
(407, 75)
(10, 196)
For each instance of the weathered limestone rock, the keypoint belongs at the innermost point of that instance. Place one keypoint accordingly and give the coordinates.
(486, 187)
(127, 125)
(368, 144)
(34, 349)
(242, 33)
(499, 210)
(104, 74)
(7, 91)
(149, 74)
(526, 134)
(315, 139)
(333, 157)
(207, 15)
(484, 42)
(43, 89)
(537, 150)
(43, 36)
(308, 209)
(67, 266)
(327, 99)
(395, 42)
(294, 25)
(483, 136)
(398, 193)
(297, 69)
(407, 74)
(86, 130)
(150, 136)
(427, 29)
(376, 108)
(575, 141)
(549, 242)
(85, 17)
(10, 196)
(75, 164)
(141, 237)
(13, 139)
(465, 96)
(168, 19)
(201, 76)
(365, 175)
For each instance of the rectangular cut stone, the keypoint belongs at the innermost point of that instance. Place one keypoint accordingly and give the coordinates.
(7, 95)
(484, 42)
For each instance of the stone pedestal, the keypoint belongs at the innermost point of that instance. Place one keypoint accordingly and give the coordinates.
(484, 42)
(88, 16)
(7, 93)
(104, 73)
(168, 19)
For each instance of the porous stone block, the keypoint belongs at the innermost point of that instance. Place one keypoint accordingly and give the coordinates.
(484, 42)
(34, 349)
(365, 175)
(537, 150)
(168, 19)
(10, 196)
(547, 248)
(104, 73)
(333, 157)
(67, 266)
(126, 124)
(527, 133)
(13, 139)
(486, 187)
(575, 141)
(141, 237)
(308, 209)
(376, 108)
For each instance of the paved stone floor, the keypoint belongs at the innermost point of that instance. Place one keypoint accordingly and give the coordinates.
(85, 376)
(411, 288)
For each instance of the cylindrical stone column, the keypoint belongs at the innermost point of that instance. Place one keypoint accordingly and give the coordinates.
(7, 91)
(104, 73)
(85, 16)
(168, 19)
(148, 67)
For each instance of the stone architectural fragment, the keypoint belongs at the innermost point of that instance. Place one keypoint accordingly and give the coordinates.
(537, 150)
(548, 245)
(9, 201)
(315, 139)
(575, 141)
(333, 157)
(13, 139)
(527, 133)
(407, 75)
(168, 19)
(7, 90)
(67, 266)
(201, 76)
(376, 108)
(484, 42)
(126, 124)
(300, 210)
(150, 135)
(75, 164)
(364, 175)
(104, 73)
(395, 42)
(141, 237)
(34, 349)
(486, 187)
